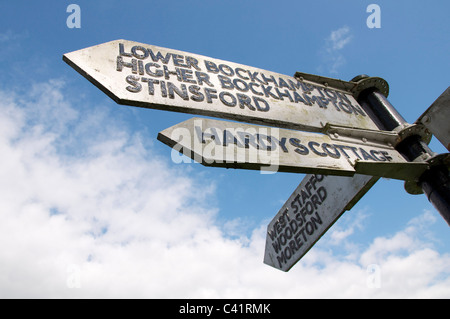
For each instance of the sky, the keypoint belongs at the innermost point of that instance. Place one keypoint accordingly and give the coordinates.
(92, 205)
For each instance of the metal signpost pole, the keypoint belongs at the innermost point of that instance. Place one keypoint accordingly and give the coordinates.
(435, 182)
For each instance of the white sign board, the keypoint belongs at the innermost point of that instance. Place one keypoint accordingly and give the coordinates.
(144, 75)
(237, 145)
(314, 206)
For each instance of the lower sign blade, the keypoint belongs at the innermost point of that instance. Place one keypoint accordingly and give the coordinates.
(309, 212)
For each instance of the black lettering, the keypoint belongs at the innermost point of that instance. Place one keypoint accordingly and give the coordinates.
(192, 62)
(309, 227)
(254, 76)
(322, 192)
(282, 83)
(232, 100)
(277, 247)
(262, 144)
(211, 67)
(301, 149)
(151, 87)
(293, 246)
(316, 220)
(316, 201)
(137, 55)
(186, 76)
(298, 98)
(285, 94)
(268, 93)
(229, 138)
(122, 51)
(210, 94)
(341, 149)
(240, 85)
(159, 57)
(257, 101)
(311, 146)
(271, 78)
(196, 96)
(354, 149)
(331, 94)
(294, 85)
(248, 139)
(288, 252)
(168, 72)
(357, 110)
(251, 85)
(245, 100)
(121, 64)
(134, 86)
(345, 107)
(163, 88)
(282, 143)
(225, 82)
(203, 77)
(180, 92)
(334, 153)
(177, 60)
(202, 135)
(157, 73)
(238, 73)
(366, 155)
(375, 155)
(141, 67)
(319, 177)
(229, 71)
(386, 156)
(298, 241)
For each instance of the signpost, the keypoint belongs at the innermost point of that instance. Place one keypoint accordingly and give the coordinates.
(344, 134)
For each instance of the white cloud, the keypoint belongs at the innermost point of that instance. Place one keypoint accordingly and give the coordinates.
(89, 212)
(331, 54)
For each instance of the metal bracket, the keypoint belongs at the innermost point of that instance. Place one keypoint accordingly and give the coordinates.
(361, 136)
(325, 81)
(412, 186)
(408, 130)
(369, 82)
(406, 171)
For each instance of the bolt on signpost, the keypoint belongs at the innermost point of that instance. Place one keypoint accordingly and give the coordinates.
(344, 134)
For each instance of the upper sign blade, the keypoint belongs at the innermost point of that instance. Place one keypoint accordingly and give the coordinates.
(309, 212)
(143, 75)
(238, 145)
(436, 118)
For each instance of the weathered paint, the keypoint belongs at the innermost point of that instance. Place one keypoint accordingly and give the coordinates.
(309, 212)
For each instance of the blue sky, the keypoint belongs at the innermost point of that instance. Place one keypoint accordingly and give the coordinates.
(94, 207)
